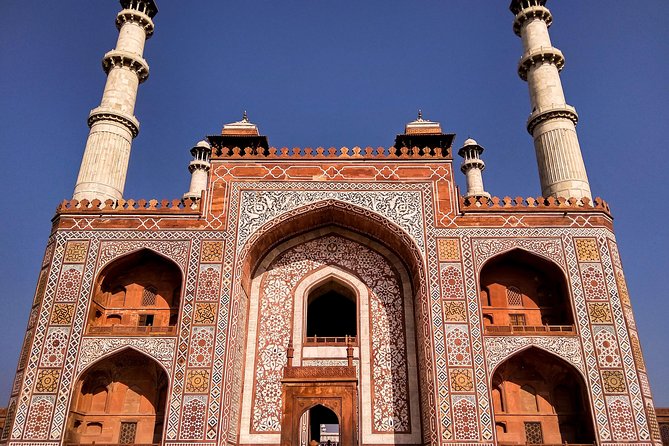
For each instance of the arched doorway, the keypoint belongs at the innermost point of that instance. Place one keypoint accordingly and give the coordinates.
(138, 294)
(524, 293)
(119, 400)
(322, 426)
(540, 399)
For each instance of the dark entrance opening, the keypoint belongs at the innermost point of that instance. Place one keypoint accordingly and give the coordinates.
(323, 426)
(332, 311)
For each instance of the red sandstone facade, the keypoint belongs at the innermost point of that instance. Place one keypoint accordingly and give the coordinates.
(300, 288)
(479, 321)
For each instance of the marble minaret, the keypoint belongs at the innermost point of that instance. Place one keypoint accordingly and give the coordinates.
(113, 124)
(552, 122)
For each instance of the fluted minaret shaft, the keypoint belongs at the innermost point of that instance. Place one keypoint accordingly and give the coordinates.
(113, 124)
(552, 123)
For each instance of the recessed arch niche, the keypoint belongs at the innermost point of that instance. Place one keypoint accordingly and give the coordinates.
(137, 294)
(540, 398)
(120, 398)
(322, 222)
(524, 292)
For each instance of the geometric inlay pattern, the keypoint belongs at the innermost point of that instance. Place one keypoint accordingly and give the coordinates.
(39, 417)
(454, 311)
(205, 314)
(465, 419)
(47, 381)
(621, 419)
(614, 381)
(192, 421)
(461, 380)
(607, 348)
(62, 314)
(593, 281)
(452, 286)
(68, 285)
(201, 347)
(586, 250)
(212, 252)
(197, 381)
(457, 345)
(209, 282)
(448, 249)
(600, 313)
(55, 344)
(75, 252)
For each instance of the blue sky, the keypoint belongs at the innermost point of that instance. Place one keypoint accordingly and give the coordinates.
(344, 73)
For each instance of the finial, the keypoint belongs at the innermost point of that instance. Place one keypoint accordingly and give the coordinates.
(420, 115)
(245, 117)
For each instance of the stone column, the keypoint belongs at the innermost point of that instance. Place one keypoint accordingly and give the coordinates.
(113, 124)
(552, 123)
(472, 166)
(199, 169)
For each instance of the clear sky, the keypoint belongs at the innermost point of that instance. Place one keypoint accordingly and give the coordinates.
(336, 73)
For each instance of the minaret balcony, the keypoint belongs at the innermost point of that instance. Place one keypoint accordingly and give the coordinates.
(555, 111)
(538, 56)
(137, 17)
(532, 12)
(125, 59)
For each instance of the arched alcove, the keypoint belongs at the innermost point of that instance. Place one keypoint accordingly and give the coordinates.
(119, 400)
(539, 398)
(524, 293)
(138, 294)
(372, 232)
(332, 314)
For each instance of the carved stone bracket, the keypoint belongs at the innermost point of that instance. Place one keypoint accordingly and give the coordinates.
(533, 12)
(137, 17)
(103, 114)
(539, 56)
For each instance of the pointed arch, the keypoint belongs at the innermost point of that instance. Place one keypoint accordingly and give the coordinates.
(138, 293)
(331, 213)
(134, 387)
(528, 380)
(525, 293)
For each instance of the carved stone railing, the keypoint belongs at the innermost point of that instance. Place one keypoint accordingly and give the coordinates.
(188, 206)
(111, 444)
(542, 330)
(308, 153)
(539, 204)
(330, 340)
(547, 444)
(141, 330)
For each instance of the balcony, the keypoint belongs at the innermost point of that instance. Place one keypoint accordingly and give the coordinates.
(314, 341)
(138, 330)
(539, 330)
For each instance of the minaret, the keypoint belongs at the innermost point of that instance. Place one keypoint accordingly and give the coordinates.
(113, 124)
(472, 166)
(552, 123)
(199, 169)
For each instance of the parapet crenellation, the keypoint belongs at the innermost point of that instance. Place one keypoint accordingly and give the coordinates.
(307, 153)
(184, 206)
(530, 204)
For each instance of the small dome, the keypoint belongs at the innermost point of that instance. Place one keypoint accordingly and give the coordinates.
(204, 144)
(470, 142)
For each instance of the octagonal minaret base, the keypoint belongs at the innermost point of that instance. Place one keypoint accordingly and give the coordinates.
(113, 125)
(552, 123)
